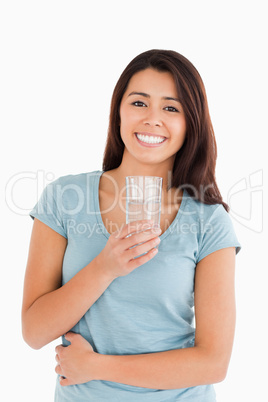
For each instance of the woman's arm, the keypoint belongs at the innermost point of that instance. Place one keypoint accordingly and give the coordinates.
(205, 363)
(50, 310)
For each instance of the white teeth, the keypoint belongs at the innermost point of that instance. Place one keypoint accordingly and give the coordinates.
(149, 139)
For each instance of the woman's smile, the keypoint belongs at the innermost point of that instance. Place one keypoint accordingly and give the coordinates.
(151, 116)
(150, 140)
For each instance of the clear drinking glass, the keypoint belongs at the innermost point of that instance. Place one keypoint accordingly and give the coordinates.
(143, 198)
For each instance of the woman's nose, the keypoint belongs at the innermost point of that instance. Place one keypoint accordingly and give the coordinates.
(152, 118)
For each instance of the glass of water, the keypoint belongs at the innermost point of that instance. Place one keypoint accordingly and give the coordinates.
(143, 198)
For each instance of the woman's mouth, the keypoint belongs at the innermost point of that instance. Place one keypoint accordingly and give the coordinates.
(150, 140)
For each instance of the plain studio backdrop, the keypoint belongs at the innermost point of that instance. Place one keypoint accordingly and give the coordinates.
(59, 63)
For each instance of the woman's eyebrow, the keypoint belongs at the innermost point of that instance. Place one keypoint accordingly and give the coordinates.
(148, 96)
(139, 93)
(170, 98)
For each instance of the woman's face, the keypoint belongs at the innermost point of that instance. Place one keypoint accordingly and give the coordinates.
(152, 120)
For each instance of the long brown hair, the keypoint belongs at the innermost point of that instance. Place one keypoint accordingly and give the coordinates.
(195, 162)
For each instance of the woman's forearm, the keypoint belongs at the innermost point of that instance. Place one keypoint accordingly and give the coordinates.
(164, 370)
(55, 313)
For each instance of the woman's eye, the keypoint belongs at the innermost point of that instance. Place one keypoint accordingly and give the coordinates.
(171, 109)
(139, 104)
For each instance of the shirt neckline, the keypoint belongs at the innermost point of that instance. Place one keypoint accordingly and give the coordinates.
(99, 217)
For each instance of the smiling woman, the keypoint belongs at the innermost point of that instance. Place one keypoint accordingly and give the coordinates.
(149, 118)
(195, 162)
(124, 308)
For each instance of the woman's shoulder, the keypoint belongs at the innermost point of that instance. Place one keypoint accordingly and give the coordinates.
(80, 179)
(197, 209)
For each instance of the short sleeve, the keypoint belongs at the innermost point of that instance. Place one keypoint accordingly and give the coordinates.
(217, 233)
(47, 209)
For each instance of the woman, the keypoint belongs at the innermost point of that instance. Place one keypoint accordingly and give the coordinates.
(127, 313)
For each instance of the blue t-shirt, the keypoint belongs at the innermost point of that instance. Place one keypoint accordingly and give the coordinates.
(152, 308)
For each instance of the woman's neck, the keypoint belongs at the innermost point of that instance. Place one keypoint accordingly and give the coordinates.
(136, 168)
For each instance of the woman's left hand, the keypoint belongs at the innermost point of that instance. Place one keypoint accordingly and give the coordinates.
(76, 361)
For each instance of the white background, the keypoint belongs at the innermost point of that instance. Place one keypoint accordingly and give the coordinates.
(59, 63)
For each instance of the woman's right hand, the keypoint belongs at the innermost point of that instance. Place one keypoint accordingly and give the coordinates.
(118, 258)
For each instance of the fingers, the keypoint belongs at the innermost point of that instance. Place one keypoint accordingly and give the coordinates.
(59, 348)
(137, 262)
(141, 237)
(65, 381)
(58, 369)
(117, 253)
(133, 227)
(70, 336)
(143, 248)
